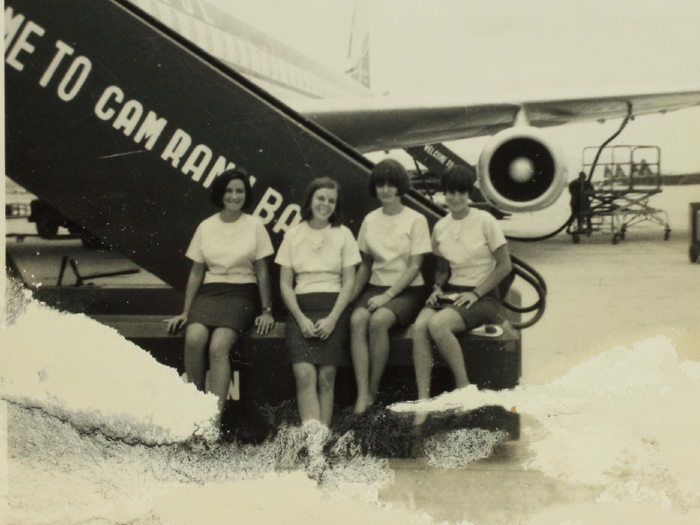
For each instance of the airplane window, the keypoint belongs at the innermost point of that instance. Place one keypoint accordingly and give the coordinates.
(190, 30)
(207, 40)
(259, 62)
(272, 65)
(174, 21)
(220, 44)
(154, 10)
(233, 52)
(246, 54)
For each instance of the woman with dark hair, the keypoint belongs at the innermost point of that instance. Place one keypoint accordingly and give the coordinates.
(318, 259)
(472, 252)
(229, 285)
(393, 240)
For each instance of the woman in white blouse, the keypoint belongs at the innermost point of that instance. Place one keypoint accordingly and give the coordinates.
(228, 288)
(472, 251)
(393, 241)
(318, 259)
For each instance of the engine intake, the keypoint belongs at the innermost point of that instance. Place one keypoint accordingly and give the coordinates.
(521, 169)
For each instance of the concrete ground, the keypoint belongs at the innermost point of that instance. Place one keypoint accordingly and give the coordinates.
(600, 296)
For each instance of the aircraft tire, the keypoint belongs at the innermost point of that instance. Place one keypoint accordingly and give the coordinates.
(694, 253)
(616, 238)
(46, 228)
(575, 238)
(91, 242)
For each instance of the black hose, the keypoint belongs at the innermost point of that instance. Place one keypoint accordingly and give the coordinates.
(590, 175)
(600, 150)
(534, 279)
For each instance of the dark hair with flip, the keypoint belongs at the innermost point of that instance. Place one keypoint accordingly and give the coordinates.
(389, 171)
(318, 184)
(218, 187)
(458, 178)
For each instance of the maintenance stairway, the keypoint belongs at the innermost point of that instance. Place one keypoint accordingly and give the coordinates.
(121, 124)
(619, 199)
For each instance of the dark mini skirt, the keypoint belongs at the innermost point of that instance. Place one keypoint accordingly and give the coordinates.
(225, 305)
(406, 306)
(485, 310)
(334, 350)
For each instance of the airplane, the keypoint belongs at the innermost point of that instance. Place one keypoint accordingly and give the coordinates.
(121, 113)
(518, 150)
(521, 168)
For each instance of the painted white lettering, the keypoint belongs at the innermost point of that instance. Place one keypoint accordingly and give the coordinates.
(197, 162)
(63, 50)
(22, 44)
(292, 211)
(268, 205)
(84, 65)
(111, 91)
(151, 127)
(12, 25)
(219, 167)
(177, 147)
(128, 117)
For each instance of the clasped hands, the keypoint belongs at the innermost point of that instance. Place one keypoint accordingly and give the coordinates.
(322, 328)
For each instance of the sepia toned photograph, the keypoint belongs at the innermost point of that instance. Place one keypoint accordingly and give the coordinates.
(350, 261)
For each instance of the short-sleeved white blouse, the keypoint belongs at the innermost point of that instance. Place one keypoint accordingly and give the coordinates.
(391, 240)
(468, 245)
(230, 249)
(318, 256)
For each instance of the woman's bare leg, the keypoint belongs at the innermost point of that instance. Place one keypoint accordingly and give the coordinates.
(422, 357)
(359, 321)
(442, 327)
(326, 390)
(379, 325)
(222, 339)
(305, 376)
(196, 338)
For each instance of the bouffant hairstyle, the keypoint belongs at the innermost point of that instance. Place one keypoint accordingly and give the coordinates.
(218, 187)
(389, 171)
(458, 178)
(318, 184)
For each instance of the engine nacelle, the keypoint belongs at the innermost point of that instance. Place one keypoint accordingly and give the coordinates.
(521, 169)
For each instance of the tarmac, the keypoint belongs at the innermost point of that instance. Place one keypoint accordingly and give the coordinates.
(600, 296)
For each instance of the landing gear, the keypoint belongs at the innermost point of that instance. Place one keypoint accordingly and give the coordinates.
(91, 242)
(667, 234)
(616, 238)
(46, 227)
(575, 238)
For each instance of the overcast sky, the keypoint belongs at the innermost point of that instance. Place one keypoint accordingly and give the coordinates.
(477, 48)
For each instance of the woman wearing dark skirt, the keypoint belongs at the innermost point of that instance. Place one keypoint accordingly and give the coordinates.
(228, 288)
(393, 240)
(317, 259)
(472, 251)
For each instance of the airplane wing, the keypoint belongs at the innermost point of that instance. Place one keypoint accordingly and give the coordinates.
(384, 123)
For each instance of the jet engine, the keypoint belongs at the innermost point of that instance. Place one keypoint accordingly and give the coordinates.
(521, 169)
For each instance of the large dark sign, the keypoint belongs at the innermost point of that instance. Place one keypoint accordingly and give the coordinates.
(122, 125)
